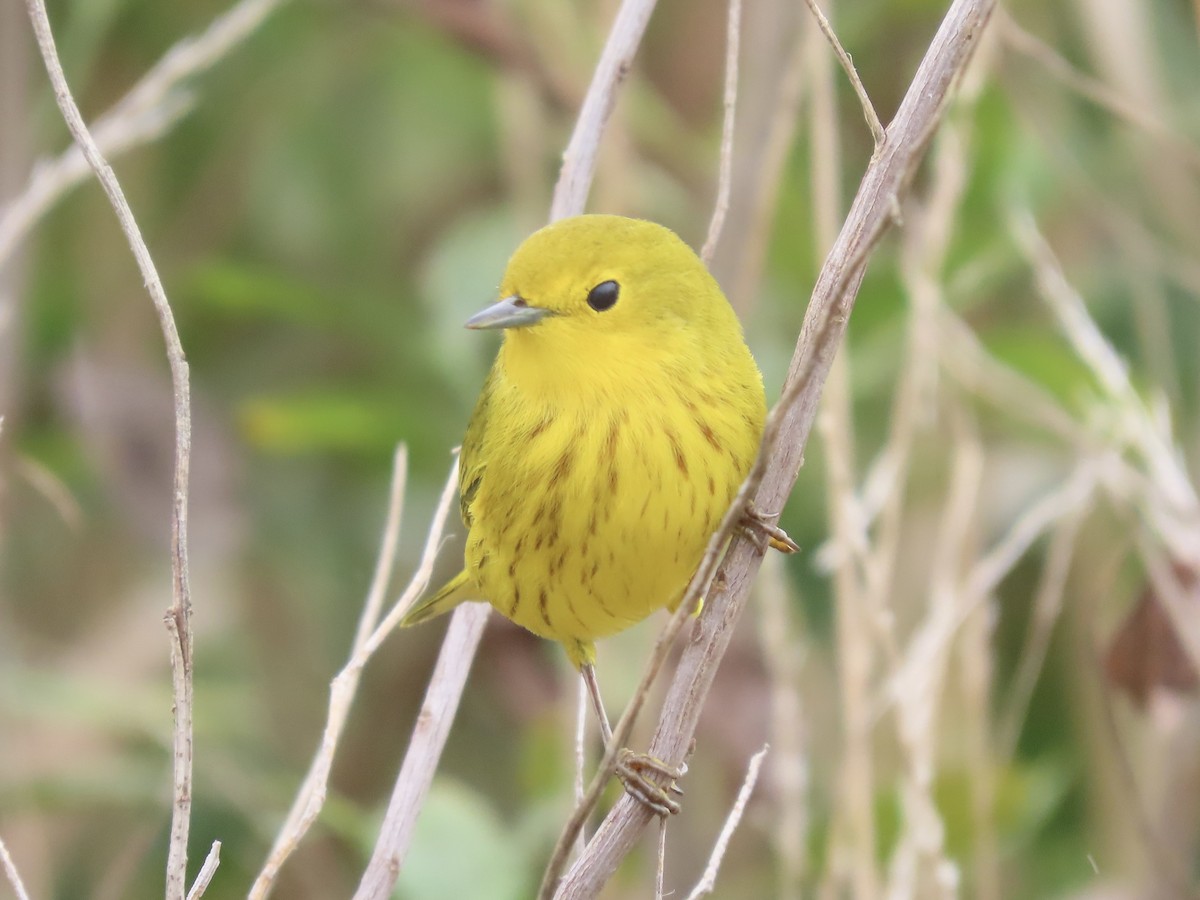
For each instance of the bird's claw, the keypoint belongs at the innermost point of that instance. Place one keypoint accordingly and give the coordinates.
(761, 529)
(635, 769)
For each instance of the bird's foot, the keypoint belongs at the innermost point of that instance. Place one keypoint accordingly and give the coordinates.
(761, 528)
(635, 769)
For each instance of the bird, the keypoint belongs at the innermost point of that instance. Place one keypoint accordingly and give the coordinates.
(620, 417)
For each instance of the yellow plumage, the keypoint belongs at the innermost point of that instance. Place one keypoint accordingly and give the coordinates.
(610, 436)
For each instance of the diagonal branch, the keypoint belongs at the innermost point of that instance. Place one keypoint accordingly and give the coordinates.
(11, 873)
(847, 65)
(579, 159)
(790, 422)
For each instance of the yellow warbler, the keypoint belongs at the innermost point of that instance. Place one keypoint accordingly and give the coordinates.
(621, 415)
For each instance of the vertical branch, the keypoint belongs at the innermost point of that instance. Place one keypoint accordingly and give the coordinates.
(789, 774)
(725, 173)
(920, 866)
(424, 750)
(854, 831)
(847, 65)
(179, 615)
(579, 159)
(311, 796)
(429, 735)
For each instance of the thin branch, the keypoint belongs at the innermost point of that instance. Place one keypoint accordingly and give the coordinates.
(207, 871)
(853, 827)
(390, 542)
(919, 865)
(311, 796)
(579, 159)
(708, 882)
(658, 657)
(725, 173)
(149, 110)
(424, 750)
(789, 774)
(10, 871)
(661, 867)
(847, 64)
(179, 615)
(764, 190)
(786, 433)
(581, 719)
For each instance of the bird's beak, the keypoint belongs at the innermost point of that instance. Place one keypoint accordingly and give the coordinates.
(511, 312)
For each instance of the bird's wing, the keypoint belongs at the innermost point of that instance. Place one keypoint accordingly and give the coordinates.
(470, 461)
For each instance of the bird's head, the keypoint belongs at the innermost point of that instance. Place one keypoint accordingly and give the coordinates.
(607, 281)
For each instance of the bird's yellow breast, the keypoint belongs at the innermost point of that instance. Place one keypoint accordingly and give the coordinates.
(596, 503)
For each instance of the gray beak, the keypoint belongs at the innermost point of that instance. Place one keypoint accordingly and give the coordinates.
(511, 312)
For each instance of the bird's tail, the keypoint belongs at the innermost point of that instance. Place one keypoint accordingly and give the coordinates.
(454, 592)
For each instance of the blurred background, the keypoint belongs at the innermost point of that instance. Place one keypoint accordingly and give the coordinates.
(978, 678)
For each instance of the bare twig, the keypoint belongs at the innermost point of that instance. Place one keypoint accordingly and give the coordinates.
(10, 872)
(853, 828)
(708, 882)
(789, 772)
(621, 731)
(207, 871)
(781, 132)
(424, 750)
(661, 867)
(581, 732)
(311, 796)
(579, 159)
(179, 615)
(789, 423)
(920, 866)
(145, 113)
(725, 171)
(370, 636)
(847, 65)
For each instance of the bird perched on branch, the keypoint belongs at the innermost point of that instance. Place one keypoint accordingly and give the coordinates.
(621, 415)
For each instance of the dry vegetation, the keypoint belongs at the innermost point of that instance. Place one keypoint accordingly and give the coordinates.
(979, 679)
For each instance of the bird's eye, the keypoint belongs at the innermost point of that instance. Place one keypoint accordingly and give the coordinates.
(603, 296)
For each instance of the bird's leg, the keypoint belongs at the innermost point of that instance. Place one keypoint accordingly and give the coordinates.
(635, 769)
(588, 671)
(763, 530)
